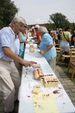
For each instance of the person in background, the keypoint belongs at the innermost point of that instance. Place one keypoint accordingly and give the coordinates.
(73, 41)
(47, 49)
(20, 47)
(64, 44)
(9, 75)
(59, 35)
(38, 37)
(23, 41)
(53, 34)
(17, 45)
(33, 32)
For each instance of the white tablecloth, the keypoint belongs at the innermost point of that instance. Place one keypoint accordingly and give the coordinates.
(27, 83)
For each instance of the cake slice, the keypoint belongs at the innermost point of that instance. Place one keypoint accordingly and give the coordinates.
(50, 81)
(37, 73)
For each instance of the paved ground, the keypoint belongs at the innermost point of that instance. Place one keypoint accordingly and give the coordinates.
(68, 85)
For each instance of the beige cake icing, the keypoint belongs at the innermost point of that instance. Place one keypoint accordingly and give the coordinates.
(32, 46)
(37, 86)
(50, 81)
(36, 89)
(31, 49)
(44, 103)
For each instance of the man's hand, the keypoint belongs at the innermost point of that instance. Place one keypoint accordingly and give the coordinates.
(42, 52)
(29, 63)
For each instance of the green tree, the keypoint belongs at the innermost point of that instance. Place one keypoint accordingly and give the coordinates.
(73, 26)
(59, 20)
(7, 12)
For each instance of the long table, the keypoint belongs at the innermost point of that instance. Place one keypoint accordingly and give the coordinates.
(27, 83)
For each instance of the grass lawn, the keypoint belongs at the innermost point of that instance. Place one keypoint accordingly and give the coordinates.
(64, 66)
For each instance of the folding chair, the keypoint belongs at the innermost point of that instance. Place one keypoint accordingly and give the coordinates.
(72, 64)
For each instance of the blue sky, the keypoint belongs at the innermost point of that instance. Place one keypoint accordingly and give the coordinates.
(38, 11)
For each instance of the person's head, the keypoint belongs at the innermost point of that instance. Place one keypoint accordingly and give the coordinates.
(60, 30)
(68, 29)
(18, 24)
(36, 27)
(32, 29)
(53, 33)
(42, 30)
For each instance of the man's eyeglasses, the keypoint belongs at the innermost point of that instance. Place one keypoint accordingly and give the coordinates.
(25, 26)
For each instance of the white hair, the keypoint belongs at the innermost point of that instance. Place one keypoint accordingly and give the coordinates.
(17, 20)
(43, 29)
(37, 26)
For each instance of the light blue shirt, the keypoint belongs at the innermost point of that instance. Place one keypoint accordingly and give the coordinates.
(7, 39)
(45, 42)
(21, 51)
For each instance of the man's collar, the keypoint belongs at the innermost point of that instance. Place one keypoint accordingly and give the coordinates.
(11, 30)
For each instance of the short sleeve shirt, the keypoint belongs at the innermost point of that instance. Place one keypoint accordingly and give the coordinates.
(45, 42)
(65, 36)
(7, 39)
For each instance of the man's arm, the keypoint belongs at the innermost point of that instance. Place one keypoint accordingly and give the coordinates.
(24, 41)
(69, 39)
(10, 54)
(49, 47)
